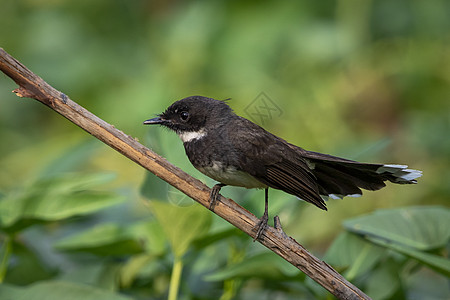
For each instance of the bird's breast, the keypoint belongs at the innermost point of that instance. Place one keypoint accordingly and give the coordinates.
(229, 175)
(216, 159)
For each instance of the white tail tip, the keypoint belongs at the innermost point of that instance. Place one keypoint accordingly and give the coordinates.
(401, 173)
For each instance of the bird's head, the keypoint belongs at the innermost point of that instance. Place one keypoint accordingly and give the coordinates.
(193, 116)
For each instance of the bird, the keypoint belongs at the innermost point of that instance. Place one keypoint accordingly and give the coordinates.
(237, 152)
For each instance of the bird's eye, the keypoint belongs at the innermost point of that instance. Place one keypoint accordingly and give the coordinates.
(184, 115)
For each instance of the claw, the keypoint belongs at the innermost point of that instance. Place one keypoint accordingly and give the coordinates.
(214, 195)
(261, 226)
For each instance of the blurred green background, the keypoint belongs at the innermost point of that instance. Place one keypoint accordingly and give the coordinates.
(366, 80)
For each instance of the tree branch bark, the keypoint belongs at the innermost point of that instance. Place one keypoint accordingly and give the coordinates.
(32, 86)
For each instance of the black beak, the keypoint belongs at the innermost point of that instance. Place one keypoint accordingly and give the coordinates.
(156, 120)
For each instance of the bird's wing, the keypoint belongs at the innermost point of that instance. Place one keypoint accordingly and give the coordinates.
(271, 160)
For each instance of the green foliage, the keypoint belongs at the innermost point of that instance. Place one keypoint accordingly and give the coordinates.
(42, 201)
(421, 228)
(174, 251)
(387, 247)
(181, 225)
(266, 266)
(57, 290)
(354, 255)
(105, 239)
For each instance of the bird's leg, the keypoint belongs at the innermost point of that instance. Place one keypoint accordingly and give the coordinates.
(214, 195)
(262, 224)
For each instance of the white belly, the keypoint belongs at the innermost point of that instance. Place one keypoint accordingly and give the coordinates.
(231, 176)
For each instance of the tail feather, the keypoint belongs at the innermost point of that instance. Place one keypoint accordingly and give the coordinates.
(400, 173)
(334, 188)
(338, 177)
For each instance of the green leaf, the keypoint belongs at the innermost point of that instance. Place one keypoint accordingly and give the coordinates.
(212, 238)
(57, 290)
(421, 228)
(426, 284)
(26, 267)
(264, 265)
(130, 271)
(72, 159)
(408, 231)
(154, 187)
(99, 273)
(53, 199)
(144, 268)
(104, 239)
(438, 263)
(152, 234)
(10, 292)
(181, 225)
(353, 253)
(384, 281)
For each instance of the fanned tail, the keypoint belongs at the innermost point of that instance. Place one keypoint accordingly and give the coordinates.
(338, 177)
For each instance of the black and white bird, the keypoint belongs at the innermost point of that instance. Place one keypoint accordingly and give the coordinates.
(234, 151)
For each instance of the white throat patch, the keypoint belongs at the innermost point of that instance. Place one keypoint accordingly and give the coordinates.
(192, 135)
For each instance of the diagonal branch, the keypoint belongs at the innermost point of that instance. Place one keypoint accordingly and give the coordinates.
(32, 86)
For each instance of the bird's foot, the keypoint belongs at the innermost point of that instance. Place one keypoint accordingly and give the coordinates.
(261, 226)
(214, 195)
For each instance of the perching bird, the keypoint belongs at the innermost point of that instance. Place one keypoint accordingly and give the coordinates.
(234, 151)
